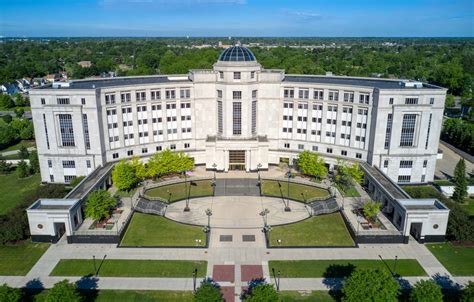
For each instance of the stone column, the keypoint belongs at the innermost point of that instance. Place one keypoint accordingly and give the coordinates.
(247, 160)
(226, 160)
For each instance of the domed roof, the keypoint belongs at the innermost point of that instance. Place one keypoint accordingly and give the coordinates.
(237, 54)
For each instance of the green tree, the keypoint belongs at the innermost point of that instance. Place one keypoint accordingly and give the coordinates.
(99, 204)
(63, 291)
(310, 163)
(23, 152)
(449, 103)
(7, 118)
(371, 209)
(209, 291)
(370, 285)
(19, 112)
(9, 294)
(20, 100)
(34, 162)
(467, 294)
(76, 181)
(460, 181)
(5, 167)
(167, 162)
(23, 169)
(262, 293)
(8, 135)
(139, 168)
(6, 101)
(426, 291)
(124, 176)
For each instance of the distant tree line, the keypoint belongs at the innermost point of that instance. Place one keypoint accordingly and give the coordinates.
(459, 133)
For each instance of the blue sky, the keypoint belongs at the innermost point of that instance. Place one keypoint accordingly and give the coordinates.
(152, 18)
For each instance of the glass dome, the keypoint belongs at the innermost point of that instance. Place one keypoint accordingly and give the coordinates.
(237, 54)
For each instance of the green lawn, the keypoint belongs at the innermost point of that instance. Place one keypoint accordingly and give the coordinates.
(14, 190)
(179, 191)
(458, 260)
(153, 230)
(130, 268)
(17, 146)
(306, 296)
(17, 260)
(324, 230)
(125, 296)
(427, 191)
(297, 191)
(348, 192)
(342, 268)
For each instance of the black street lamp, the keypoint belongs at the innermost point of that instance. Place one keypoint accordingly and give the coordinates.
(214, 165)
(395, 267)
(194, 279)
(95, 267)
(186, 208)
(287, 206)
(209, 214)
(259, 166)
(264, 214)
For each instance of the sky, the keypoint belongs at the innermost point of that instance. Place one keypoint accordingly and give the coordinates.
(221, 18)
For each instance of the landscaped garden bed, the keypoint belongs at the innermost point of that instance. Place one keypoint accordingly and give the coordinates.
(179, 191)
(130, 268)
(458, 260)
(298, 192)
(153, 230)
(343, 268)
(323, 230)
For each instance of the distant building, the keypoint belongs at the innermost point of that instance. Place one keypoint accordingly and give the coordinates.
(85, 64)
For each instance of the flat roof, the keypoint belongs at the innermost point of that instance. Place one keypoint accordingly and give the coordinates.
(394, 190)
(422, 204)
(355, 81)
(53, 204)
(119, 81)
(90, 181)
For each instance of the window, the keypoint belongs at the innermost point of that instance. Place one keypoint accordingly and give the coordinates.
(289, 93)
(431, 101)
(46, 131)
(359, 155)
(144, 150)
(390, 101)
(221, 75)
(50, 163)
(186, 145)
(130, 152)
(115, 155)
(287, 146)
(408, 130)
(349, 97)
(69, 164)
(333, 95)
(411, 101)
(43, 101)
(254, 117)
(66, 130)
(140, 96)
(63, 101)
(423, 177)
(318, 94)
(328, 150)
(252, 74)
(220, 122)
(85, 126)
(88, 163)
(406, 164)
(172, 147)
(155, 94)
(425, 163)
(125, 97)
(237, 75)
(109, 99)
(364, 98)
(237, 118)
(51, 178)
(171, 106)
(303, 93)
(185, 93)
(385, 163)
(237, 95)
(404, 178)
(254, 94)
(315, 148)
(288, 105)
(388, 131)
(343, 152)
(170, 94)
(219, 94)
(185, 105)
(159, 148)
(69, 178)
(300, 147)
(428, 132)
(317, 107)
(83, 101)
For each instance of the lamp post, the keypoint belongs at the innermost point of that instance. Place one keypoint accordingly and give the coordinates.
(287, 206)
(214, 165)
(264, 214)
(95, 267)
(194, 279)
(259, 166)
(277, 278)
(395, 267)
(209, 214)
(186, 208)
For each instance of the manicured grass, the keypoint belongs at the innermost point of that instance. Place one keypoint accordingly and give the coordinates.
(124, 296)
(427, 191)
(458, 260)
(317, 295)
(179, 191)
(297, 191)
(152, 230)
(129, 268)
(324, 230)
(17, 260)
(17, 146)
(348, 192)
(13, 190)
(342, 268)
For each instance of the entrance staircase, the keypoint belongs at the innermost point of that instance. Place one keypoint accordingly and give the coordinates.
(147, 206)
(327, 206)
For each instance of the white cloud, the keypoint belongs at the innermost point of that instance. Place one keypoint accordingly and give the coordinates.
(304, 14)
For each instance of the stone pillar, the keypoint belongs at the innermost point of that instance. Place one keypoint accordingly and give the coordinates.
(247, 160)
(226, 160)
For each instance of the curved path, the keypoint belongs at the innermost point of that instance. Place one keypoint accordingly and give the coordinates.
(236, 211)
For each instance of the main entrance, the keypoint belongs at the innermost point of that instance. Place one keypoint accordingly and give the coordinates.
(237, 160)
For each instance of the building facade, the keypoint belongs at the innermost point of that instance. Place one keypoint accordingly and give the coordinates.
(238, 116)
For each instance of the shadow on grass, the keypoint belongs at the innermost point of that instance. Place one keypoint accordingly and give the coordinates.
(87, 287)
(334, 277)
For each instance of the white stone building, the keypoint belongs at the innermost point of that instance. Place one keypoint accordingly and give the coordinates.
(237, 116)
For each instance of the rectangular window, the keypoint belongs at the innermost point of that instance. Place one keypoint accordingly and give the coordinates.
(155, 94)
(388, 131)
(333, 95)
(289, 93)
(408, 130)
(364, 98)
(50, 163)
(300, 147)
(303, 93)
(66, 130)
(51, 178)
(83, 101)
(425, 163)
(315, 148)
(359, 155)
(140, 96)
(385, 163)
(186, 145)
(62, 101)
(125, 97)
(69, 178)
(254, 94)
(286, 145)
(67, 164)
(85, 126)
(328, 150)
(144, 150)
(172, 147)
(404, 178)
(411, 101)
(431, 101)
(252, 74)
(237, 118)
(349, 97)
(159, 148)
(220, 121)
(88, 163)
(318, 94)
(390, 101)
(343, 152)
(221, 75)
(170, 94)
(185, 105)
(406, 164)
(237, 75)
(219, 94)
(237, 95)
(428, 132)
(46, 131)
(254, 117)
(115, 155)
(185, 93)
(43, 101)
(130, 152)
(109, 99)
